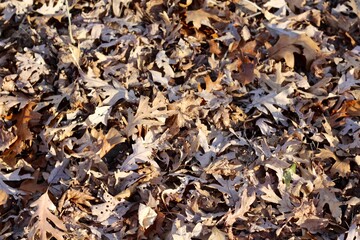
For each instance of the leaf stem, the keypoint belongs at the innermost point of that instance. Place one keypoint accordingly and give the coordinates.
(69, 20)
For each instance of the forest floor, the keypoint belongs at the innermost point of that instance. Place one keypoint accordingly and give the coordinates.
(179, 119)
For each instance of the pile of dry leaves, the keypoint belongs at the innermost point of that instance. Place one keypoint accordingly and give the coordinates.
(180, 119)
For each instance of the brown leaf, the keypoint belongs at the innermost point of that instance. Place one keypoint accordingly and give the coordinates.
(32, 186)
(7, 137)
(23, 134)
(314, 223)
(214, 47)
(79, 198)
(352, 108)
(241, 208)
(3, 197)
(200, 17)
(287, 45)
(341, 167)
(249, 48)
(246, 72)
(112, 138)
(212, 86)
(39, 224)
(146, 115)
(127, 192)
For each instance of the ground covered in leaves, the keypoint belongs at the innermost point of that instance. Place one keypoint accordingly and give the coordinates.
(124, 119)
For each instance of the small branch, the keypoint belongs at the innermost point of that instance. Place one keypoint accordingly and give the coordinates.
(69, 20)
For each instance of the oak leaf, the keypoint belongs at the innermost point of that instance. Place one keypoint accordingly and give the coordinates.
(327, 195)
(31, 185)
(12, 176)
(3, 197)
(341, 167)
(352, 108)
(146, 215)
(23, 134)
(44, 222)
(214, 47)
(241, 207)
(200, 17)
(110, 209)
(315, 224)
(57, 10)
(210, 85)
(216, 234)
(78, 197)
(148, 115)
(101, 115)
(287, 45)
(112, 138)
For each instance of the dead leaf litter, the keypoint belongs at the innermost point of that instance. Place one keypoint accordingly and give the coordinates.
(179, 119)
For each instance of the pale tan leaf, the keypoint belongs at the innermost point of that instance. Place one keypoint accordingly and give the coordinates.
(293, 4)
(3, 197)
(216, 234)
(148, 115)
(11, 177)
(269, 195)
(43, 219)
(200, 17)
(242, 207)
(342, 167)
(111, 139)
(100, 115)
(186, 4)
(324, 187)
(287, 45)
(104, 210)
(146, 215)
(52, 8)
(77, 197)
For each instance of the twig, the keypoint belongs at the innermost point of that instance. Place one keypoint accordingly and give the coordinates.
(69, 20)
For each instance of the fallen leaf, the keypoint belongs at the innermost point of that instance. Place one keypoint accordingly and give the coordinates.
(315, 224)
(241, 207)
(7, 138)
(147, 216)
(342, 167)
(214, 47)
(3, 197)
(201, 17)
(40, 221)
(349, 108)
(216, 234)
(111, 139)
(287, 45)
(32, 185)
(11, 177)
(23, 134)
(352, 108)
(78, 197)
(186, 4)
(146, 115)
(101, 115)
(212, 86)
(105, 210)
